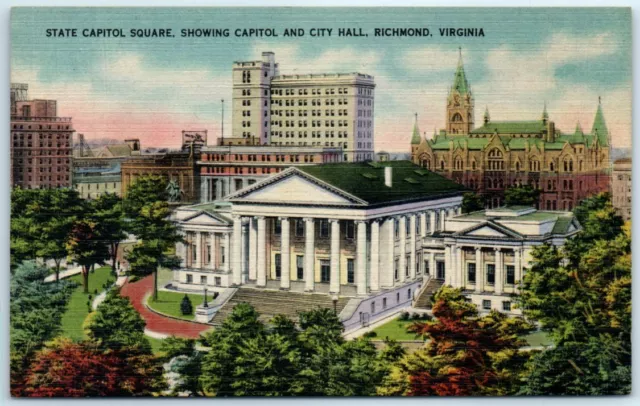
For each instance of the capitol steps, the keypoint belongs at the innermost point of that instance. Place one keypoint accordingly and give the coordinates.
(268, 303)
(424, 300)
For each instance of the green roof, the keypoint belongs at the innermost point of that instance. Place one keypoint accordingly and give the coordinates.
(562, 224)
(355, 178)
(600, 127)
(415, 137)
(460, 83)
(511, 127)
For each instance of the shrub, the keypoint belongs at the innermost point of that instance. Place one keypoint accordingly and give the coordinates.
(186, 307)
(404, 316)
(370, 334)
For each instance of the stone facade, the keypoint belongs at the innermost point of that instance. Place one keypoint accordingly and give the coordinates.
(565, 167)
(621, 187)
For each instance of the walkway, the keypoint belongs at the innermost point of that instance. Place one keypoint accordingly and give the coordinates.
(157, 325)
(103, 295)
(64, 274)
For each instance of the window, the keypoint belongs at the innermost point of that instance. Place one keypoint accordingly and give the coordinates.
(278, 265)
(406, 266)
(418, 262)
(277, 227)
(373, 307)
(350, 271)
(396, 227)
(324, 228)
(471, 272)
(426, 267)
(300, 267)
(409, 294)
(511, 274)
(396, 264)
(439, 269)
(203, 279)
(217, 281)
(398, 297)
(325, 270)
(506, 306)
(384, 303)
(299, 228)
(351, 231)
(491, 274)
(407, 227)
(486, 304)
(189, 278)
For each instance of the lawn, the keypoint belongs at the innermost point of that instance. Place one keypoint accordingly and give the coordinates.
(155, 344)
(395, 329)
(538, 338)
(169, 303)
(77, 310)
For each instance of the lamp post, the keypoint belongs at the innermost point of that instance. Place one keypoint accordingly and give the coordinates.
(205, 304)
(334, 299)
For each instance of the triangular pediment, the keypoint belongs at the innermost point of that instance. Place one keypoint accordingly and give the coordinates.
(204, 218)
(486, 231)
(295, 188)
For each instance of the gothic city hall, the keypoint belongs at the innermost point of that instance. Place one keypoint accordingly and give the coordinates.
(564, 167)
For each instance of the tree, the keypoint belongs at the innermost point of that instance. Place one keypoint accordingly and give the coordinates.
(68, 369)
(186, 307)
(467, 355)
(186, 361)
(157, 238)
(116, 325)
(108, 213)
(524, 195)
(145, 190)
(36, 310)
(581, 295)
(87, 247)
(471, 202)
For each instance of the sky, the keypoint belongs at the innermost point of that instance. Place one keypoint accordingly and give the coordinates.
(153, 88)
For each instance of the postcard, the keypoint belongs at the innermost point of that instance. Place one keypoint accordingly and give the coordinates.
(227, 202)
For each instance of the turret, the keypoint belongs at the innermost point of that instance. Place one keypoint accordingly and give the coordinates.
(486, 116)
(460, 103)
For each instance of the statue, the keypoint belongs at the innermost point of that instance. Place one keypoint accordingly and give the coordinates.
(174, 192)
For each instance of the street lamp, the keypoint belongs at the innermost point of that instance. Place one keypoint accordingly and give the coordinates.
(334, 299)
(205, 304)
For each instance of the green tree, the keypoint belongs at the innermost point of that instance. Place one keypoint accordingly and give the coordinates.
(525, 195)
(186, 307)
(467, 355)
(36, 310)
(86, 247)
(145, 190)
(117, 326)
(471, 202)
(108, 213)
(157, 237)
(581, 295)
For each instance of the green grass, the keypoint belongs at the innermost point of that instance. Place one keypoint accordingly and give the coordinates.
(169, 303)
(77, 311)
(155, 344)
(395, 329)
(538, 338)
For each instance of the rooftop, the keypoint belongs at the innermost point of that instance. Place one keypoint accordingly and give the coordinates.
(366, 181)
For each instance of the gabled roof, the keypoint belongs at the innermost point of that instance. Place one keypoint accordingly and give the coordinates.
(489, 224)
(363, 184)
(511, 127)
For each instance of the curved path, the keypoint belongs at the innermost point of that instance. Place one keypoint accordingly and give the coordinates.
(157, 324)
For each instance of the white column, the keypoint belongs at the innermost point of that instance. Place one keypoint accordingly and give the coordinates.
(518, 268)
(402, 232)
(309, 255)
(432, 264)
(412, 246)
(499, 272)
(285, 254)
(227, 256)
(237, 250)
(460, 276)
(479, 271)
(443, 216)
(253, 248)
(459, 210)
(374, 268)
(262, 252)
(447, 264)
(423, 224)
(203, 190)
(334, 281)
(361, 258)
(387, 249)
(198, 250)
(432, 221)
(212, 250)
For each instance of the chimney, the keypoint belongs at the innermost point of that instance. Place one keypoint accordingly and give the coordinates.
(388, 176)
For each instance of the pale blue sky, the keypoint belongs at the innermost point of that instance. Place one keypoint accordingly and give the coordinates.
(134, 87)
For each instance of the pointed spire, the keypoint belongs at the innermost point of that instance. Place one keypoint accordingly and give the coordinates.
(545, 115)
(460, 83)
(578, 128)
(487, 118)
(415, 138)
(600, 126)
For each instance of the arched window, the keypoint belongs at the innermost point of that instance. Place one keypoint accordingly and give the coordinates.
(517, 166)
(551, 167)
(458, 164)
(442, 165)
(495, 160)
(580, 166)
(457, 118)
(473, 165)
(534, 166)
